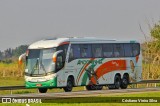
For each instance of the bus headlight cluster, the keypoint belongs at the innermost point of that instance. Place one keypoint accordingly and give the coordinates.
(50, 77)
(26, 78)
(40, 79)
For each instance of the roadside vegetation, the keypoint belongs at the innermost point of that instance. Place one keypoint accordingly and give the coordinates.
(151, 52)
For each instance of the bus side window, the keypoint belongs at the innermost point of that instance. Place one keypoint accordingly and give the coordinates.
(64, 48)
(74, 52)
(71, 54)
(108, 50)
(128, 50)
(135, 49)
(60, 63)
(118, 50)
(97, 50)
(86, 51)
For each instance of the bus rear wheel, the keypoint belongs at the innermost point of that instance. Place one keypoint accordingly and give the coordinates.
(124, 82)
(88, 87)
(69, 86)
(117, 83)
(42, 90)
(112, 86)
(99, 87)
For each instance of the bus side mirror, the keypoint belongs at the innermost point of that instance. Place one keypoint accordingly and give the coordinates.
(21, 57)
(54, 58)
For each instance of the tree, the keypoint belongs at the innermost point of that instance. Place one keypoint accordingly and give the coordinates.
(151, 54)
(155, 31)
(19, 50)
(1, 55)
(8, 53)
(155, 34)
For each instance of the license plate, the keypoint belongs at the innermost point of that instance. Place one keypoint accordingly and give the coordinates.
(38, 85)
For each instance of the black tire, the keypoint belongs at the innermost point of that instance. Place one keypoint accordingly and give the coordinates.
(69, 86)
(88, 87)
(94, 87)
(99, 87)
(117, 83)
(124, 82)
(42, 90)
(112, 86)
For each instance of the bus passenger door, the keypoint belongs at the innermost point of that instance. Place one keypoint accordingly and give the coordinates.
(61, 72)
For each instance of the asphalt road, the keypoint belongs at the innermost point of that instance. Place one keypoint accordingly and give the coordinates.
(83, 93)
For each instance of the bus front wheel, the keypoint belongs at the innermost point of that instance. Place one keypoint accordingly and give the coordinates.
(42, 90)
(69, 86)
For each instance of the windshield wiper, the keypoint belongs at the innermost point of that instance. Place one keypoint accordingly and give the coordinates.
(36, 65)
(41, 65)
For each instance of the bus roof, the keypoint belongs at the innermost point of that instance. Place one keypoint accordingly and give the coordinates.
(49, 43)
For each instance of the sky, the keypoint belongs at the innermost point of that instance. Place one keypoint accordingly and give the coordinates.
(27, 21)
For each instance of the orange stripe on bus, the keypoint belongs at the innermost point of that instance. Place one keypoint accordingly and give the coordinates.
(64, 43)
(137, 57)
(109, 67)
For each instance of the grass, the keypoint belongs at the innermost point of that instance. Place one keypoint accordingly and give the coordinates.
(11, 81)
(146, 94)
(11, 69)
(137, 94)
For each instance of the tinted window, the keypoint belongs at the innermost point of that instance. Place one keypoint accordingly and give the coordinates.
(71, 54)
(97, 50)
(64, 48)
(108, 50)
(86, 51)
(118, 50)
(74, 52)
(33, 53)
(128, 50)
(135, 49)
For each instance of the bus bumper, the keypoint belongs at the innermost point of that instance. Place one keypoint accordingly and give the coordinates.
(46, 84)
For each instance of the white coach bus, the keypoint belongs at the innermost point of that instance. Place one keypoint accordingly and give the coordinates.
(91, 62)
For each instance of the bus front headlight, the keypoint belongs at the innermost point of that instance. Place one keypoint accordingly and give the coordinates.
(28, 78)
(50, 77)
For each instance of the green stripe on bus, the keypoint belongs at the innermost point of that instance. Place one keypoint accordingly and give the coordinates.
(85, 76)
(79, 72)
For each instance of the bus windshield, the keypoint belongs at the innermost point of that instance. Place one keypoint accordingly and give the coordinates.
(39, 61)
